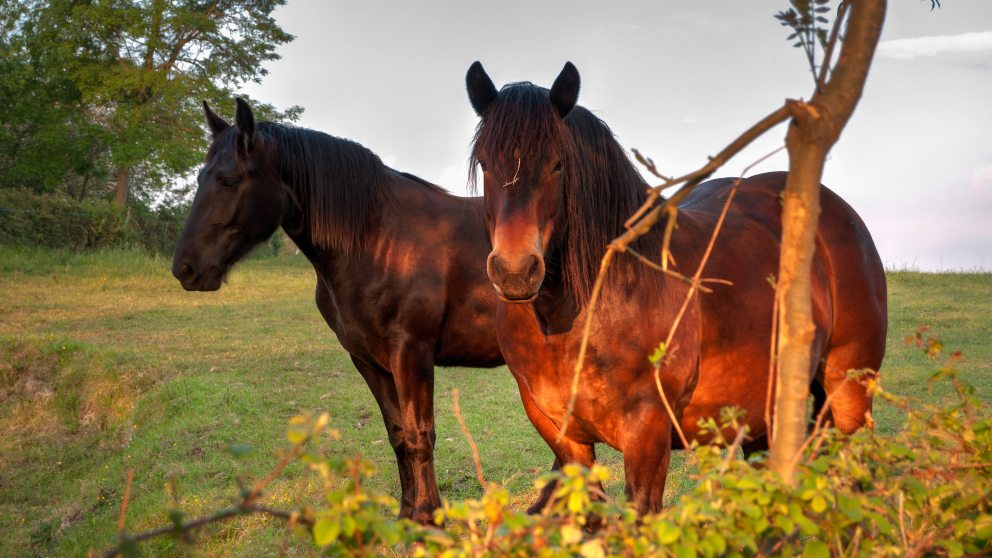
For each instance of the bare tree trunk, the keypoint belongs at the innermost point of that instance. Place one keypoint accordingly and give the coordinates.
(121, 190)
(814, 129)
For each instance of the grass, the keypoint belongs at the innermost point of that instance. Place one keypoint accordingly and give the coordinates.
(106, 364)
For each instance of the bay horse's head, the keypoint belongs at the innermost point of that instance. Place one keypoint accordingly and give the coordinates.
(240, 201)
(522, 145)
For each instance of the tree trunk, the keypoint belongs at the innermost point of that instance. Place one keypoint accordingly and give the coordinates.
(121, 191)
(814, 129)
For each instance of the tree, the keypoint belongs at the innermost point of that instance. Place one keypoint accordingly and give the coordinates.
(814, 129)
(45, 140)
(142, 67)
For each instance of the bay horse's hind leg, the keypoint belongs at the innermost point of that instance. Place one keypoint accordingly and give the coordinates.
(848, 400)
(381, 384)
(566, 451)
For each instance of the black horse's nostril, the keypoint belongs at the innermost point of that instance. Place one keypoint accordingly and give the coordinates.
(183, 272)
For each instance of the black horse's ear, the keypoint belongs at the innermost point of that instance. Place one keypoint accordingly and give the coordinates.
(246, 124)
(481, 91)
(565, 90)
(214, 122)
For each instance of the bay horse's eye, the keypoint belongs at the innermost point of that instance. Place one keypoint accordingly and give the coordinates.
(228, 182)
(557, 169)
(482, 166)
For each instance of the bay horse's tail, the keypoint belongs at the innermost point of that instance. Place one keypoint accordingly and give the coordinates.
(860, 313)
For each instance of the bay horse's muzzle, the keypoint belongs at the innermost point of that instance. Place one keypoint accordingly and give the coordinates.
(516, 280)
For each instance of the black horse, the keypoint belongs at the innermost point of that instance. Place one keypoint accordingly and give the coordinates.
(401, 277)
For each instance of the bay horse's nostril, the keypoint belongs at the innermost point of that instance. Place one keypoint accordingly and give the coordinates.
(532, 268)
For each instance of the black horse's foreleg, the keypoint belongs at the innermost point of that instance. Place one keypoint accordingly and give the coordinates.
(413, 372)
(384, 389)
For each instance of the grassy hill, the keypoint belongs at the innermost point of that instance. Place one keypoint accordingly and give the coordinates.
(106, 364)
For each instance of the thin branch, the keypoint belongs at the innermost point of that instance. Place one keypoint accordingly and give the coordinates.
(203, 521)
(468, 436)
(732, 450)
(648, 164)
(642, 221)
(828, 53)
(125, 499)
(772, 366)
(650, 264)
(246, 506)
(597, 288)
(818, 425)
(668, 409)
(902, 519)
(516, 176)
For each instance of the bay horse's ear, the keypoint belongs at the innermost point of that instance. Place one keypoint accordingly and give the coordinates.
(246, 124)
(565, 90)
(481, 91)
(214, 122)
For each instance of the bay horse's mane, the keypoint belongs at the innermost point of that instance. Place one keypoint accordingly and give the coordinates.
(340, 185)
(602, 188)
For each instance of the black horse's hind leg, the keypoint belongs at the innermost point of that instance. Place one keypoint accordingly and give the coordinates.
(413, 371)
(566, 451)
(384, 389)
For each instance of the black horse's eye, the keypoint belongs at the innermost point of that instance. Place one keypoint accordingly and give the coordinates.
(229, 182)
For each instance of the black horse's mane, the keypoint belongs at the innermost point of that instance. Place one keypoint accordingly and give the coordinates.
(602, 188)
(340, 185)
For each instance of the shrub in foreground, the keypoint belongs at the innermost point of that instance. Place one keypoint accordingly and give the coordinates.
(924, 491)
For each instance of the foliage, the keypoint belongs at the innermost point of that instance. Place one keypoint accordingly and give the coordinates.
(114, 88)
(922, 491)
(57, 222)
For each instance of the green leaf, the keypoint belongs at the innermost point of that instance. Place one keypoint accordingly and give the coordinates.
(176, 517)
(658, 354)
(239, 450)
(816, 549)
(129, 549)
(983, 527)
(325, 531)
(818, 504)
(685, 550)
(667, 532)
(851, 507)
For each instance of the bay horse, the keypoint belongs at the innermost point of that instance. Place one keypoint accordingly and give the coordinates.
(400, 278)
(558, 188)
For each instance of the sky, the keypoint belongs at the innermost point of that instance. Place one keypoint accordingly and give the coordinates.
(678, 81)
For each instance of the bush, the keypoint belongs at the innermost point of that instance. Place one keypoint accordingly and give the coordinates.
(29, 219)
(55, 222)
(924, 491)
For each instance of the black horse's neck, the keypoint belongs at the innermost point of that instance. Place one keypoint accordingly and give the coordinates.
(337, 187)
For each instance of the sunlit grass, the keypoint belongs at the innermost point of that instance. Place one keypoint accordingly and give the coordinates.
(106, 363)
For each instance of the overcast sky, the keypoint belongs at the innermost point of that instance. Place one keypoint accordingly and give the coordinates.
(676, 80)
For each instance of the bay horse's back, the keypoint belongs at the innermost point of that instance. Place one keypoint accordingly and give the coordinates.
(853, 308)
(849, 298)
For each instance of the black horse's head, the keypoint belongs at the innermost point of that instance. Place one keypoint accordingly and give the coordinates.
(240, 201)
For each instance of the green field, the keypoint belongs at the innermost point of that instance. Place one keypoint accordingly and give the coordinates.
(107, 364)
